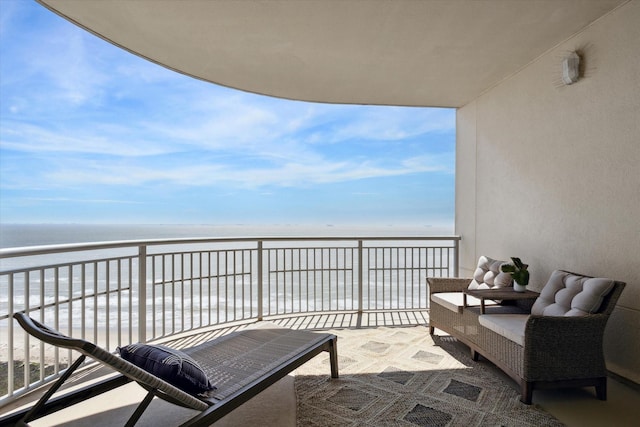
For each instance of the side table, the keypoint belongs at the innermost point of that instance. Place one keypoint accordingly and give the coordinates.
(504, 294)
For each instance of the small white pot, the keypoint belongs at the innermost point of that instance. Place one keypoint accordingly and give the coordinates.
(518, 287)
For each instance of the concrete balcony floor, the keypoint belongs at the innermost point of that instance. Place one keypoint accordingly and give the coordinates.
(276, 406)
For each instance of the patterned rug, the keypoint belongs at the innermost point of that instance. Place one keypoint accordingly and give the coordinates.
(401, 377)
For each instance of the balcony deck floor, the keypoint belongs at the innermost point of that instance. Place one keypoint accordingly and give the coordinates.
(573, 407)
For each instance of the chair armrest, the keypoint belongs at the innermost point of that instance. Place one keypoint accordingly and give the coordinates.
(560, 346)
(447, 284)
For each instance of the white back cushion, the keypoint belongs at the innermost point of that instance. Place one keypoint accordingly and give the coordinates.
(488, 275)
(569, 294)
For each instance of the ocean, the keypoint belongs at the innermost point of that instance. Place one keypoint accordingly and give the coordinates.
(44, 291)
(31, 235)
(22, 235)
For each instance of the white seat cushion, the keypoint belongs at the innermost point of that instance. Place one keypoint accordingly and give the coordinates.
(454, 300)
(510, 326)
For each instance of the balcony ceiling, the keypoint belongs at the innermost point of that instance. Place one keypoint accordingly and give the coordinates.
(404, 52)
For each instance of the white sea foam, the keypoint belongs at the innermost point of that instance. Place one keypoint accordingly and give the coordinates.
(229, 300)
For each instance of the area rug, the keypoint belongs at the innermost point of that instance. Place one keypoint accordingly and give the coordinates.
(404, 377)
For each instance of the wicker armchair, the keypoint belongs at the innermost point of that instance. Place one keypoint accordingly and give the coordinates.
(557, 350)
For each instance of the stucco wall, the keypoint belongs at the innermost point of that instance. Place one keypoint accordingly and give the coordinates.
(551, 173)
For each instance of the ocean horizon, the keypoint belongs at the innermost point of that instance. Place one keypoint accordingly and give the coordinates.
(44, 283)
(25, 235)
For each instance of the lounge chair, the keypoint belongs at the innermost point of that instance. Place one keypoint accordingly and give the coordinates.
(240, 365)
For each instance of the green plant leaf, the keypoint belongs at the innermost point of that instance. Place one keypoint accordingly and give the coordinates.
(508, 268)
(518, 271)
(518, 263)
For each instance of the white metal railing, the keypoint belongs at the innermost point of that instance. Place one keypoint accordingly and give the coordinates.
(94, 291)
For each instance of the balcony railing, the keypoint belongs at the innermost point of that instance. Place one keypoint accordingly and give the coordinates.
(94, 291)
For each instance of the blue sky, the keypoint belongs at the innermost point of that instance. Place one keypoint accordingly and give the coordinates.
(92, 134)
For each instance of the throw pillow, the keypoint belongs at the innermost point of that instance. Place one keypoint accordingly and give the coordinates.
(173, 366)
(488, 275)
(569, 294)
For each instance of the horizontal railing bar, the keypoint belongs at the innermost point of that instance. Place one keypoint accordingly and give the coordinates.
(100, 261)
(34, 308)
(408, 247)
(197, 252)
(219, 282)
(67, 300)
(196, 278)
(332, 269)
(79, 247)
(400, 267)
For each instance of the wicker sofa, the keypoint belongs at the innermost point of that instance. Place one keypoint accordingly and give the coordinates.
(447, 311)
(556, 342)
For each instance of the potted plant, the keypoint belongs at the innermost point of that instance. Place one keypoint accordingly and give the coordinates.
(519, 273)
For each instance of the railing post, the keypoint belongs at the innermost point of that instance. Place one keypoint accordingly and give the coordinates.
(142, 293)
(260, 281)
(11, 379)
(456, 257)
(360, 278)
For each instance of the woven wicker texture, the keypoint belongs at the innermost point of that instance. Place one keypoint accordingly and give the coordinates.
(239, 358)
(401, 377)
(557, 350)
(235, 363)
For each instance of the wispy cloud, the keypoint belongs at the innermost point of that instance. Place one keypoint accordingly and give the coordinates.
(80, 116)
(98, 201)
(198, 174)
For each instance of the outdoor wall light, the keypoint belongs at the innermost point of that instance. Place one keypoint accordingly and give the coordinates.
(571, 68)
